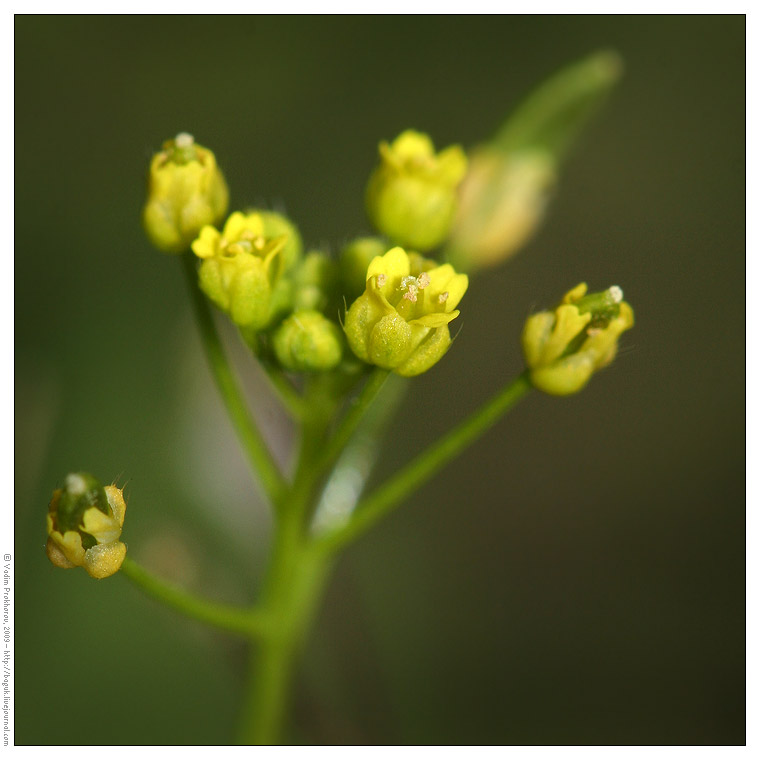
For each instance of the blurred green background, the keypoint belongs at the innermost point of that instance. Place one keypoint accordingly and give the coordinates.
(577, 576)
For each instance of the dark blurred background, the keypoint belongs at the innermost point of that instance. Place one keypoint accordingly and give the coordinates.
(575, 577)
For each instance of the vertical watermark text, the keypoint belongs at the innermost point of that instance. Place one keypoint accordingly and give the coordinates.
(7, 658)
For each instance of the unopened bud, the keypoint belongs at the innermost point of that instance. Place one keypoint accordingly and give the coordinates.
(411, 195)
(186, 190)
(308, 342)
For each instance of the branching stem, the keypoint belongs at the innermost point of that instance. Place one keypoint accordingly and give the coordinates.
(245, 622)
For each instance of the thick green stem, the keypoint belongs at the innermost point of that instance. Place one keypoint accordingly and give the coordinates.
(255, 447)
(425, 465)
(298, 578)
(293, 587)
(238, 620)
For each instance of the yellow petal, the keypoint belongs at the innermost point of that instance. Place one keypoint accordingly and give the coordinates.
(206, 244)
(234, 226)
(411, 144)
(457, 287)
(102, 527)
(568, 323)
(70, 543)
(390, 269)
(440, 277)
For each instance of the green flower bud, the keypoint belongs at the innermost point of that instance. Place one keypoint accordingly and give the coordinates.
(186, 190)
(401, 320)
(501, 204)
(315, 284)
(84, 525)
(411, 196)
(563, 348)
(277, 225)
(308, 342)
(241, 268)
(354, 259)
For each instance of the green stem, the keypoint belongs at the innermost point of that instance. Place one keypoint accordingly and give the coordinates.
(293, 587)
(345, 485)
(390, 494)
(247, 622)
(260, 458)
(288, 395)
(353, 417)
(298, 577)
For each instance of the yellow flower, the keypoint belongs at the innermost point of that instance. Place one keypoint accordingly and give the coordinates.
(401, 321)
(241, 268)
(84, 524)
(186, 190)
(411, 195)
(563, 348)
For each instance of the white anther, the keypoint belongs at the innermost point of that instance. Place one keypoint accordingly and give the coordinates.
(423, 280)
(380, 280)
(443, 297)
(184, 140)
(616, 294)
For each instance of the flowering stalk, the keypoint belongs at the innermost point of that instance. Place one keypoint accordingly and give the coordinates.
(331, 336)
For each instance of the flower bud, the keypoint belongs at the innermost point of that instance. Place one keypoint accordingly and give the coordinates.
(315, 284)
(401, 320)
(563, 348)
(241, 268)
(501, 204)
(308, 342)
(84, 525)
(354, 259)
(186, 190)
(411, 196)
